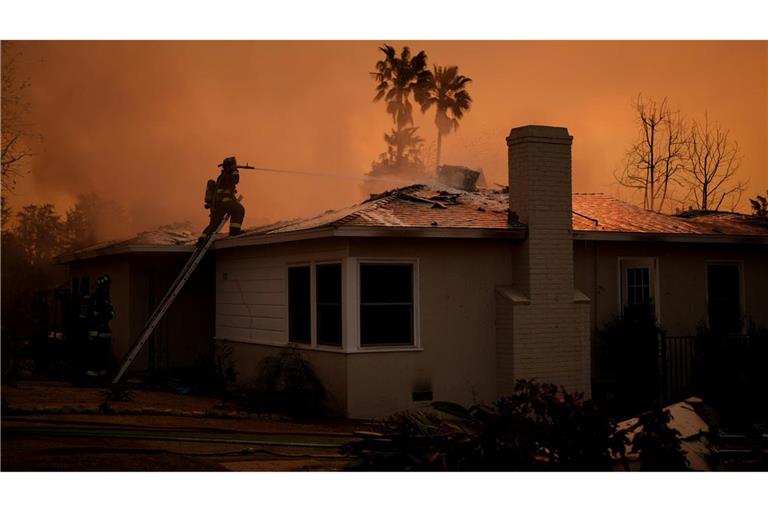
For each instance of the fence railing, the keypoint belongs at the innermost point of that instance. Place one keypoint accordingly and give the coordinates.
(688, 364)
(678, 368)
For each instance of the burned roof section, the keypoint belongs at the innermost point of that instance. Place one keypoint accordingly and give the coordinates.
(435, 206)
(171, 238)
(425, 210)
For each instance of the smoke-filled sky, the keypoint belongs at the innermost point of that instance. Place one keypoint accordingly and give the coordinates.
(145, 123)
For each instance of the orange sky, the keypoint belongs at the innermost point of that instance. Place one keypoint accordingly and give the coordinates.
(145, 123)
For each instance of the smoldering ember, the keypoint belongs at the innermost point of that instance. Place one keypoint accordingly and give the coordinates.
(521, 274)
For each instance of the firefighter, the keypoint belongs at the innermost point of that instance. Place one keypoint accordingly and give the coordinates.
(98, 313)
(225, 200)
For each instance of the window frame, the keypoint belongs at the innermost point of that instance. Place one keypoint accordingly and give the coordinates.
(313, 344)
(288, 268)
(625, 263)
(739, 264)
(356, 305)
(313, 288)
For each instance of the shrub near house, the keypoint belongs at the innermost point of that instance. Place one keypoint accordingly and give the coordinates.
(538, 427)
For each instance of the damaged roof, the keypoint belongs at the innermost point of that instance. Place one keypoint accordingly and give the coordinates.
(434, 210)
(164, 239)
(417, 208)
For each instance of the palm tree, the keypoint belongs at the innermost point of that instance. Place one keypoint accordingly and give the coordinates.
(447, 92)
(404, 146)
(398, 79)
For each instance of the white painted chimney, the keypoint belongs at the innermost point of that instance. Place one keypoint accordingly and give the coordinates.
(543, 325)
(540, 195)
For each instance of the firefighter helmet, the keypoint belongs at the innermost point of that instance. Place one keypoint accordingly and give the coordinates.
(229, 163)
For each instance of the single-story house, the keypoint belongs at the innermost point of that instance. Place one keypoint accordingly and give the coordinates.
(141, 270)
(432, 293)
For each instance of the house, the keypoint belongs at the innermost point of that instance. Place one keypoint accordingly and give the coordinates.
(426, 293)
(141, 270)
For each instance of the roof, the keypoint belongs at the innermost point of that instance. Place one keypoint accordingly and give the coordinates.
(417, 208)
(173, 238)
(413, 206)
(599, 213)
(438, 211)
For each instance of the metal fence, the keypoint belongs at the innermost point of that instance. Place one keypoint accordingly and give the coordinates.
(678, 367)
(691, 365)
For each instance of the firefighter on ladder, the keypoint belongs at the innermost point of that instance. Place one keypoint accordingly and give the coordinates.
(221, 198)
(98, 312)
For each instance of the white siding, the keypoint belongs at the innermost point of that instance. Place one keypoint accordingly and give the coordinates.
(252, 288)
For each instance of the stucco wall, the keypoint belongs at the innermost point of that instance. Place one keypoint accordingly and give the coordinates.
(682, 294)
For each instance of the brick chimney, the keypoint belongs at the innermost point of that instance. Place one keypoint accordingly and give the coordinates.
(540, 195)
(542, 321)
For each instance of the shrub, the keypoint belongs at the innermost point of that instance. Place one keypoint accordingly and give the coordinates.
(537, 427)
(628, 349)
(657, 443)
(287, 384)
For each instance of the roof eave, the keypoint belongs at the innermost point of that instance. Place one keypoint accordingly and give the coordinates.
(373, 232)
(111, 251)
(708, 238)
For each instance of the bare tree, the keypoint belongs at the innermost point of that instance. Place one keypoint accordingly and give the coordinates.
(711, 164)
(653, 162)
(17, 136)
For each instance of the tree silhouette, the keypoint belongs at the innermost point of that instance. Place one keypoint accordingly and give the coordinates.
(760, 205)
(655, 160)
(400, 79)
(711, 163)
(17, 136)
(447, 93)
(39, 233)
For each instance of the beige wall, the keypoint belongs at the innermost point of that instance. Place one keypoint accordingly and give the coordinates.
(118, 268)
(252, 309)
(458, 313)
(184, 336)
(456, 283)
(682, 270)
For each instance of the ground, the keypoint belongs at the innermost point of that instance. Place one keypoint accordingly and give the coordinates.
(55, 426)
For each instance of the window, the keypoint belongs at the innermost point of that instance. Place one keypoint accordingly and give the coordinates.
(81, 286)
(724, 297)
(299, 306)
(386, 304)
(328, 297)
(638, 288)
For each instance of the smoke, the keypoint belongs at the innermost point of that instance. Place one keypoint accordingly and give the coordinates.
(144, 124)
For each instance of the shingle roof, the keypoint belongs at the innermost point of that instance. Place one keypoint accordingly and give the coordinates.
(423, 206)
(603, 213)
(426, 206)
(176, 237)
(415, 206)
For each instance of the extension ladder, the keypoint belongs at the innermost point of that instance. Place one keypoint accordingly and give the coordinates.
(170, 296)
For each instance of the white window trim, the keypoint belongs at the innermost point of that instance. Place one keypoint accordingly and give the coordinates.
(313, 344)
(650, 262)
(353, 306)
(286, 340)
(350, 309)
(313, 291)
(742, 292)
